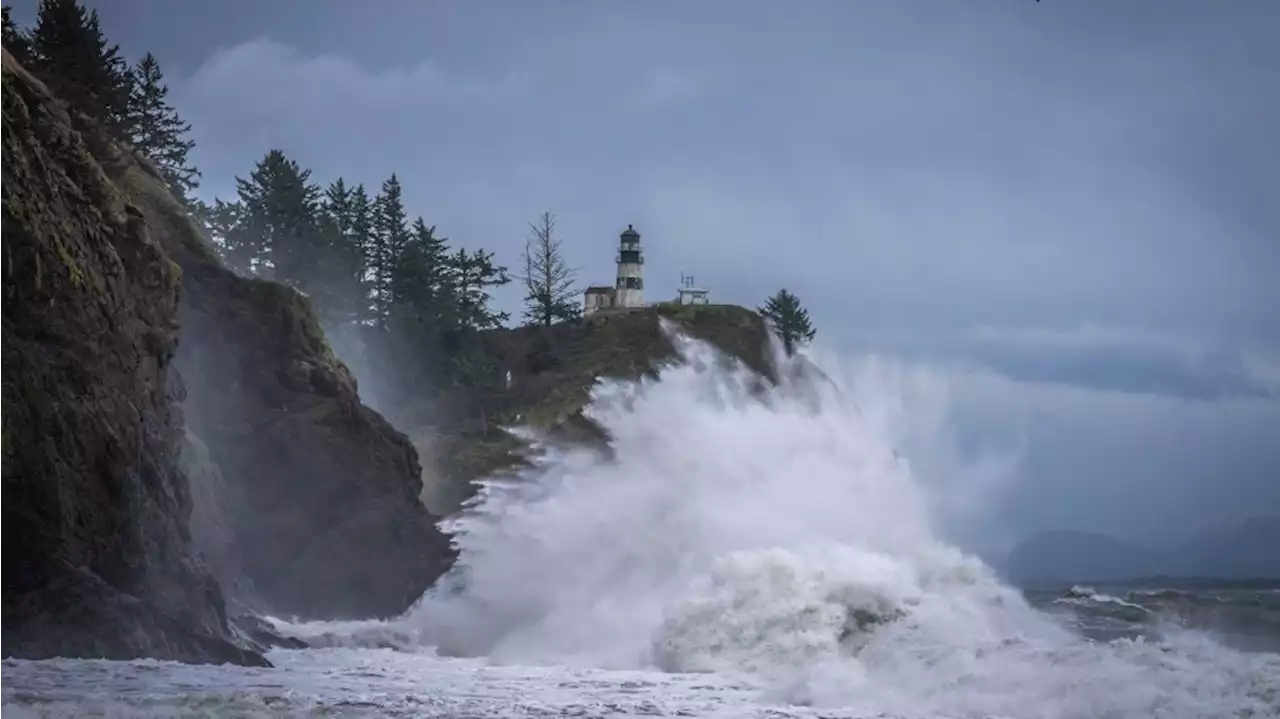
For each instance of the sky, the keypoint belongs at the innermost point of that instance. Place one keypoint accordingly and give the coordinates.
(1068, 209)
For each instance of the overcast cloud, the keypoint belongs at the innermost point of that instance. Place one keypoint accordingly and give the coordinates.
(1069, 205)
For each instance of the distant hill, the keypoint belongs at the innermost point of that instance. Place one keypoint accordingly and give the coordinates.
(1064, 556)
(1248, 548)
(1236, 550)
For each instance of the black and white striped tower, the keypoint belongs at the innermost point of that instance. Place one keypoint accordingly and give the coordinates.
(630, 288)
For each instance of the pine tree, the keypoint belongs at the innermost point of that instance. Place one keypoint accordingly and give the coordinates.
(390, 235)
(337, 207)
(338, 282)
(471, 274)
(361, 209)
(789, 320)
(420, 274)
(157, 130)
(548, 279)
(70, 53)
(421, 310)
(15, 40)
(226, 232)
(279, 218)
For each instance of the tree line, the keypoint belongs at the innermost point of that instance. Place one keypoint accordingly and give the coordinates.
(366, 266)
(364, 263)
(68, 51)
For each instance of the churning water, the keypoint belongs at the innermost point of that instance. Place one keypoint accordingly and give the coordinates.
(739, 551)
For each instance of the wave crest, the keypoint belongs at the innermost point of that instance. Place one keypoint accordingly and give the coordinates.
(739, 528)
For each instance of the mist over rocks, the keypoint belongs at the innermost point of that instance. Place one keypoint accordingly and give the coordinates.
(158, 408)
(461, 431)
(244, 474)
(324, 518)
(95, 509)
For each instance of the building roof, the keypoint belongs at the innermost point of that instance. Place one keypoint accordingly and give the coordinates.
(599, 290)
(630, 233)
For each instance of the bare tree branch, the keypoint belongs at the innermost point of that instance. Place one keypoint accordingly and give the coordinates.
(548, 279)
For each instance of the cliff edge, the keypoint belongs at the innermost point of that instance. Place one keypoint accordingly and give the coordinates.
(320, 508)
(95, 510)
(552, 370)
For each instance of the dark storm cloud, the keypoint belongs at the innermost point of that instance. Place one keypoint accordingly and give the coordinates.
(1121, 362)
(1103, 359)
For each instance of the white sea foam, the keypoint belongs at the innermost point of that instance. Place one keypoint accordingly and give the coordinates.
(780, 533)
(776, 540)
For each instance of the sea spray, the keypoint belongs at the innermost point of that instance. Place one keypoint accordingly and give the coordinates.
(582, 557)
(778, 533)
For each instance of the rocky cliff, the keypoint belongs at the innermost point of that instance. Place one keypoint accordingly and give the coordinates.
(305, 500)
(95, 510)
(320, 494)
(552, 371)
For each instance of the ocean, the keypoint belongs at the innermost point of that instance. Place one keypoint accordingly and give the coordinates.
(737, 552)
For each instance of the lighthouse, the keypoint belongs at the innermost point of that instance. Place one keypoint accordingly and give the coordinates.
(629, 291)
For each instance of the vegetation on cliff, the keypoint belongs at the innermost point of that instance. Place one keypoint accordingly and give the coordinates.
(551, 372)
(68, 51)
(550, 294)
(789, 320)
(376, 278)
(156, 130)
(312, 497)
(326, 521)
(325, 518)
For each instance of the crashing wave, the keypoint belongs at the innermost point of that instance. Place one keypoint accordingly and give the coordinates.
(776, 532)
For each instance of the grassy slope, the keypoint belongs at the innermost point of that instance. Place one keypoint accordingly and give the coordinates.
(553, 370)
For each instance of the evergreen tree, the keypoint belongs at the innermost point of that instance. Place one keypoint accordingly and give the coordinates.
(390, 235)
(361, 209)
(338, 282)
(789, 320)
(368, 270)
(15, 40)
(421, 308)
(223, 226)
(157, 130)
(420, 274)
(279, 208)
(337, 207)
(70, 53)
(471, 274)
(548, 279)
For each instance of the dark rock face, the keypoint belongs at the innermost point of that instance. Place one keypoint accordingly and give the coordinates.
(77, 613)
(95, 510)
(325, 519)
